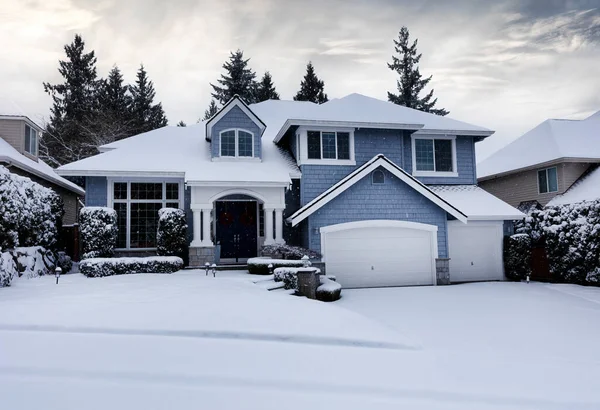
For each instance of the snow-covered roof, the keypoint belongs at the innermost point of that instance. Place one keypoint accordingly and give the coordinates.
(476, 203)
(587, 188)
(10, 155)
(550, 141)
(183, 152)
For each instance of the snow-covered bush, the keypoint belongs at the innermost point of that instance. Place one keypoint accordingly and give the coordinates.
(260, 266)
(284, 251)
(517, 256)
(289, 276)
(34, 261)
(64, 262)
(30, 214)
(100, 267)
(8, 269)
(98, 227)
(171, 239)
(329, 290)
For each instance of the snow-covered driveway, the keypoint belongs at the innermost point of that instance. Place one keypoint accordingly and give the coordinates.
(190, 341)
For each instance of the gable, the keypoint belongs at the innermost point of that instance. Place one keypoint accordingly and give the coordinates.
(236, 104)
(235, 118)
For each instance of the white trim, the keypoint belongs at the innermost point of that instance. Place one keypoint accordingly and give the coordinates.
(418, 173)
(466, 133)
(246, 184)
(234, 102)
(125, 174)
(236, 131)
(302, 144)
(384, 223)
(537, 175)
(367, 168)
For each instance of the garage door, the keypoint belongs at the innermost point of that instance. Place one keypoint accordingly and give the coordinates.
(475, 251)
(380, 253)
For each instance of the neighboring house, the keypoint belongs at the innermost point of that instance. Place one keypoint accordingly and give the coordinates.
(19, 138)
(585, 189)
(386, 193)
(543, 163)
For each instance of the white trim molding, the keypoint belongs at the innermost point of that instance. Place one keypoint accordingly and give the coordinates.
(363, 171)
(418, 173)
(302, 146)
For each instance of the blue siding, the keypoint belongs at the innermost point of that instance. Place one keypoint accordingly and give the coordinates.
(392, 200)
(235, 118)
(370, 142)
(95, 191)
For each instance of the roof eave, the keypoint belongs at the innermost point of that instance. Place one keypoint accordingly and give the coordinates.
(537, 165)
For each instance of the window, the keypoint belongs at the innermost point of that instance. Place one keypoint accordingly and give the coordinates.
(328, 145)
(237, 143)
(30, 140)
(434, 155)
(547, 180)
(378, 177)
(137, 205)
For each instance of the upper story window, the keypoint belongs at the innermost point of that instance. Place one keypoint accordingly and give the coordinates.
(434, 156)
(31, 137)
(328, 145)
(547, 180)
(237, 143)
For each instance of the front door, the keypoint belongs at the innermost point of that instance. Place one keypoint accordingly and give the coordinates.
(236, 229)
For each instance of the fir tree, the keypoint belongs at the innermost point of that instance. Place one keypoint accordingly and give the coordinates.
(411, 82)
(311, 88)
(181, 124)
(146, 115)
(265, 89)
(114, 120)
(238, 79)
(74, 102)
(210, 111)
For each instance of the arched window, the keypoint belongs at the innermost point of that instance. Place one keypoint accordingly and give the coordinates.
(237, 143)
(378, 177)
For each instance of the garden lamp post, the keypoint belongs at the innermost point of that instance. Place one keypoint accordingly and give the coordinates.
(57, 273)
(207, 267)
(214, 270)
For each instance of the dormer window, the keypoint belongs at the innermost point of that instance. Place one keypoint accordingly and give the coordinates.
(30, 140)
(237, 143)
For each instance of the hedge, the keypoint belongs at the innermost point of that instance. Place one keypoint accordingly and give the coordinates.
(98, 227)
(171, 239)
(100, 267)
(285, 251)
(329, 290)
(517, 256)
(260, 266)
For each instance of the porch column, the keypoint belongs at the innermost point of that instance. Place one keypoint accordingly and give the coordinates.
(279, 226)
(196, 218)
(269, 226)
(206, 241)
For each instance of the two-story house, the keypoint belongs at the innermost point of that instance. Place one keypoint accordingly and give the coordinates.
(543, 163)
(19, 138)
(386, 193)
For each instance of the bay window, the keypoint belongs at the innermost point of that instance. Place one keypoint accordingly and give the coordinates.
(137, 205)
(434, 156)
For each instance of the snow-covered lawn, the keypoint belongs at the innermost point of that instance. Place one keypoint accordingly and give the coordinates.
(190, 341)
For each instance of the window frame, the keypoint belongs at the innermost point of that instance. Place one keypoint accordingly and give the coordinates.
(32, 150)
(237, 143)
(377, 171)
(302, 146)
(164, 201)
(545, 170)
(434, 173)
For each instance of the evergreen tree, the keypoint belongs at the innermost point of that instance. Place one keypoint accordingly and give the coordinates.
(311, 88)
(265, 89)
(146, 115)
(74, 102)
(114, 120)
(411, 82)
(210, 111)
(181, 124)
(238, 79)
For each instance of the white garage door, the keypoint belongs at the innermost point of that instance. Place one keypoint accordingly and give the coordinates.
(475, 251)
(380, 253)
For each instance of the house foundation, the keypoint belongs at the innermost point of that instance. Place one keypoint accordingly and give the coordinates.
(442, 270)
(199, 256)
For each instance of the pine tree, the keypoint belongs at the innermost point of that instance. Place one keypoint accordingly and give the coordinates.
(74, 102)
(181, 124)
(114, 120)
(266, 89)
(311, 88)
(210, 111)
(411, 82)
(146, 115)
(238, 79)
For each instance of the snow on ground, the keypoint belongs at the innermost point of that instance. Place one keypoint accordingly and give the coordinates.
(190, 341)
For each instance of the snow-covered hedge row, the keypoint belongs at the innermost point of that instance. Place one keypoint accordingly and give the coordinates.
(517, 256)
(29, 262)
(30, 214)
(329, 290)
(283, 251)
(99, 267)
(572, 237)
(172, 230)
(260, 266)
(98, 227)
(8, 269)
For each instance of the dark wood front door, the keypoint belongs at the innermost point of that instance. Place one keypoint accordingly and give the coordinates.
(237, 229)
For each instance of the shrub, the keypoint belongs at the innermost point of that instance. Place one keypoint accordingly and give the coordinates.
(260, 266)
(30, 214)
(288, 252)
(329, 290)
(100, 267)
(289, 276)
(172, 231)
(98, 227)
(64, 262)
(517, 256)
(34, 261)
(8, 269)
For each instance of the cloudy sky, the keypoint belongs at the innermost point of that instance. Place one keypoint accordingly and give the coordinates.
(506, 64)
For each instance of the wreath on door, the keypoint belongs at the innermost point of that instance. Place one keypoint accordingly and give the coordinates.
(226, 219)
(247, 219)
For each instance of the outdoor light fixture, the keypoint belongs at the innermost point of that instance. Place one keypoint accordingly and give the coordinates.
(305, 261)
(214, 270)
(207, 267)
(57, 273)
